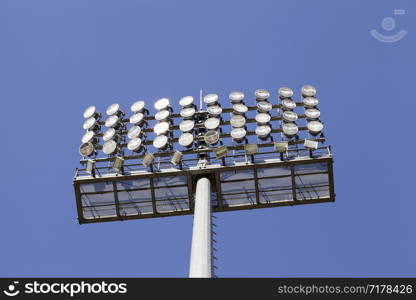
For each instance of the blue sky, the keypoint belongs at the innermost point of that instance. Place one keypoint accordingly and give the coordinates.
(58, 57)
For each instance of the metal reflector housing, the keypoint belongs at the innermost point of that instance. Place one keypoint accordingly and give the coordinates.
(240, 108)
(89, 112)
(263, 131)
(161, 142)
(315, 127)
(187, 125)
(86, 149)
(211, 137)
(112, 109)
(263, 118)
(237, 121)
(236, 97)
(308, 91)
(134, 132)
(110, 147)
(112, 121)
(162, 103)
(285, 92)
(212, 123)
(186, 139)
(312, 114)
(137, 106)
(288, 104)
(186, 101)
(135, 144)
(210, 99)
(310, 102)
(238, 134)
(261, 94)
(161, 128)
(290, 129)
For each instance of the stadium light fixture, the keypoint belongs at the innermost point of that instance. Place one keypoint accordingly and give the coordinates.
(222, 143)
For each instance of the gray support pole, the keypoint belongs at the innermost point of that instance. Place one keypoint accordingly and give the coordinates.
(201, 254)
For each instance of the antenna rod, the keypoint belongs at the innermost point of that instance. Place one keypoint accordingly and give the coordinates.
(200, 99)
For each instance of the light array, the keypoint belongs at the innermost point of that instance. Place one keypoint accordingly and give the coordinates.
(268, 123)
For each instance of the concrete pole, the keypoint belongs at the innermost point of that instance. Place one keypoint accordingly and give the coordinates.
(201, 254)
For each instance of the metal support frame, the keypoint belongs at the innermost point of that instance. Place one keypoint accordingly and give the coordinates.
(214, 174)
(201, 250)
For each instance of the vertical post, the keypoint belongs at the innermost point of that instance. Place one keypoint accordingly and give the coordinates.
(201, 252)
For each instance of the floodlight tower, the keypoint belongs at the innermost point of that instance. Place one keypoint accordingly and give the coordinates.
(205, 160)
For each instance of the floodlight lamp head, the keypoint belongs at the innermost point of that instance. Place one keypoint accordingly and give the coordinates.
(239, 109)
(312, 114)
(308, 91)
(137, 119)
(176, 158)
(237, 121)
(90, 168)
(214, 110)
(89, 136)
(251, 149)
(315, 127)
(264, 106)
(186, 101)
(288, 104)
(186, 139)
(188, 112)
(211, 137)
(238, 134)
(118, 164)
(162, 115)
(91, 112)
(161, 128)
(263, 131)
(135, 145)
(236, 97)
(110, 147)
(210, 99)
(261, 94)
(187, 125)
(87, 149)
(111, 134)
(212, 123)
(281, 147)
(310, 102)
(285, 92)
(134, 132)
(311, 144)
(221, 152)
(114, 109)
(91, 124)
(290, 129)
(161, 142)
(289, 116)
(263, 118)
(113, 121)
(148, 159)
(138, 106)
(162, 103)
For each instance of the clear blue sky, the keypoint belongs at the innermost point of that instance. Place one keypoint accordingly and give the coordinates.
(58, 57)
